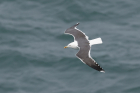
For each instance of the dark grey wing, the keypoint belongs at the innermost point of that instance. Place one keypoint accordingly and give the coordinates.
(84, 55)
(77, 34)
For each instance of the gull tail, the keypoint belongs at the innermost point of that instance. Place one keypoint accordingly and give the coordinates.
(95, 41)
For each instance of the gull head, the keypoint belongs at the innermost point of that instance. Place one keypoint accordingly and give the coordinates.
(72, 45)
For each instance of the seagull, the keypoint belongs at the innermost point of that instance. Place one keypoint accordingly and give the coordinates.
(82, 43)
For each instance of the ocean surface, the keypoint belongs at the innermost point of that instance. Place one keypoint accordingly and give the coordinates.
(32, 40)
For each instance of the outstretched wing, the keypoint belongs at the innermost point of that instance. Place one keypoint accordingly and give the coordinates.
(76, 33)
(84, 56)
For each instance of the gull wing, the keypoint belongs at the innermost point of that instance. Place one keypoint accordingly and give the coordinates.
(84, 56)
(76, 33)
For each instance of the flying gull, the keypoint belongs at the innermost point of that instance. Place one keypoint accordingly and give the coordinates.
(84, 45)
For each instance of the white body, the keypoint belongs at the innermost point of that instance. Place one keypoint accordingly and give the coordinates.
(92, 42)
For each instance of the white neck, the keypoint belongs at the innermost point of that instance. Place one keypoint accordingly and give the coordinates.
(73, 45)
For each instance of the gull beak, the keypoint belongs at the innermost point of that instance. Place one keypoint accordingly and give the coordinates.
(65, 46)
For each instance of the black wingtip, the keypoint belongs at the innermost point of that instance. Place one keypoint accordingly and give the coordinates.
(102, 71)
(75, 25)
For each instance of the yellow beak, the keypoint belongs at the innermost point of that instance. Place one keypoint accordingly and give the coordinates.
(65, 46)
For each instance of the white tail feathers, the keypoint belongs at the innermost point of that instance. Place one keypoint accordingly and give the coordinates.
(95, 41)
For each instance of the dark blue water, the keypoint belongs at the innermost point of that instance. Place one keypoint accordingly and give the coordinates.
(32, 57)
